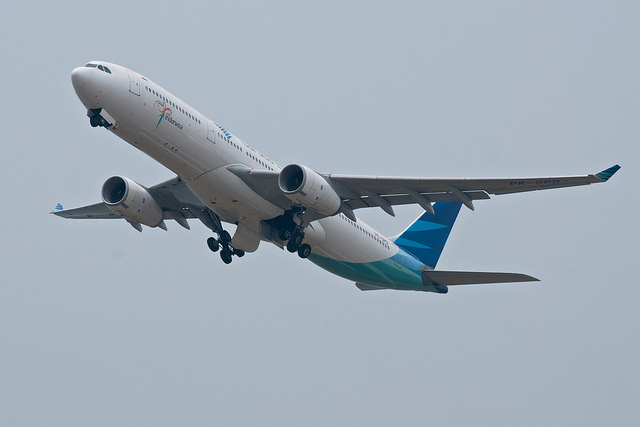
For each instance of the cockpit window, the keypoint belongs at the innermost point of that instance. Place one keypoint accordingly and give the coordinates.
(99, 67)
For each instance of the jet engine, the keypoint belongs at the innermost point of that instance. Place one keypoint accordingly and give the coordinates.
(307, 188)
(131, 200)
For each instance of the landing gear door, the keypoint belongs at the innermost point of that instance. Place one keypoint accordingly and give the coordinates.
(134, 83)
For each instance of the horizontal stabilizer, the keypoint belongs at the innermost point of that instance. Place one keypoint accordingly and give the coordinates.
(450, 278)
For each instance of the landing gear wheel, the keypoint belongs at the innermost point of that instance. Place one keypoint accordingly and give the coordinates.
(95, 121)
(304, 251)
(295, 241)
(226, 256)
(284, 234)
(225, 237)
(297, 238)
(291, 246)
(238, 252)
(213, 244)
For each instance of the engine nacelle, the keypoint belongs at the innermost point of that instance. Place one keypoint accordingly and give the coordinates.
(131, 200)
(307, 188)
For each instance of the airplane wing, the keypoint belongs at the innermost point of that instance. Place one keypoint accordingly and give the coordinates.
(179, 203)
(96, 211)
(368, 191)
(174, 197)
(379, 191)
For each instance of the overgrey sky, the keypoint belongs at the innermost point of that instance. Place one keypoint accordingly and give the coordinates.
(101, 325)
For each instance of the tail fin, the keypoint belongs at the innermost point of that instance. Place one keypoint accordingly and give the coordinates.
(426, 236)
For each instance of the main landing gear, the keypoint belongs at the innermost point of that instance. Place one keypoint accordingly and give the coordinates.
(295, 242)
(222, 244)
(283, 229)
(290, 228)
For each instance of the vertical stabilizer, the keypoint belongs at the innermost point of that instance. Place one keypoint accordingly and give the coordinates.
(426, 236)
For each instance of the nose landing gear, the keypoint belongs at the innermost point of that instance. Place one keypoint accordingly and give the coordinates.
(100, 117)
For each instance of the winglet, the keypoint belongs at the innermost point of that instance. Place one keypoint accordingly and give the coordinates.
(606, 174)
(57, 209)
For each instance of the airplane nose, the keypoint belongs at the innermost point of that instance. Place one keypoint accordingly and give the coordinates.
(80, 77)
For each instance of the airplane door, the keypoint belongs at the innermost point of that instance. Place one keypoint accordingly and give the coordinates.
(134, 83)
(211, 131)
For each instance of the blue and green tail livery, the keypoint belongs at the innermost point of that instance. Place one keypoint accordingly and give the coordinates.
(426, 237)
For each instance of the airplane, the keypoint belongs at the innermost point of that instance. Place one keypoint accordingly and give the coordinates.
(220, 179)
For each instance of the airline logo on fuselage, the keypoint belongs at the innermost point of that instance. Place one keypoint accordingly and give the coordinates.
(224, 131)
(165, 113)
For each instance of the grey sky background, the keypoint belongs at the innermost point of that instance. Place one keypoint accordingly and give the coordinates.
(101, 325)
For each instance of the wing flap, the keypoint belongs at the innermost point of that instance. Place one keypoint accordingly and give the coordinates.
(406, 199)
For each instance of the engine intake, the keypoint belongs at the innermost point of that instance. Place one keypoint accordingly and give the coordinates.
(307, 188)
(131, 200)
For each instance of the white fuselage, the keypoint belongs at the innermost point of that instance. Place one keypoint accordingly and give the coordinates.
(222, 179)
(199, 151)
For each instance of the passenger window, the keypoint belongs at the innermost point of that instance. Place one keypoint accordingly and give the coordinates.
(90, 65)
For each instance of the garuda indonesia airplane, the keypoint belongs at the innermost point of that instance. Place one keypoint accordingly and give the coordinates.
(220, 179)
